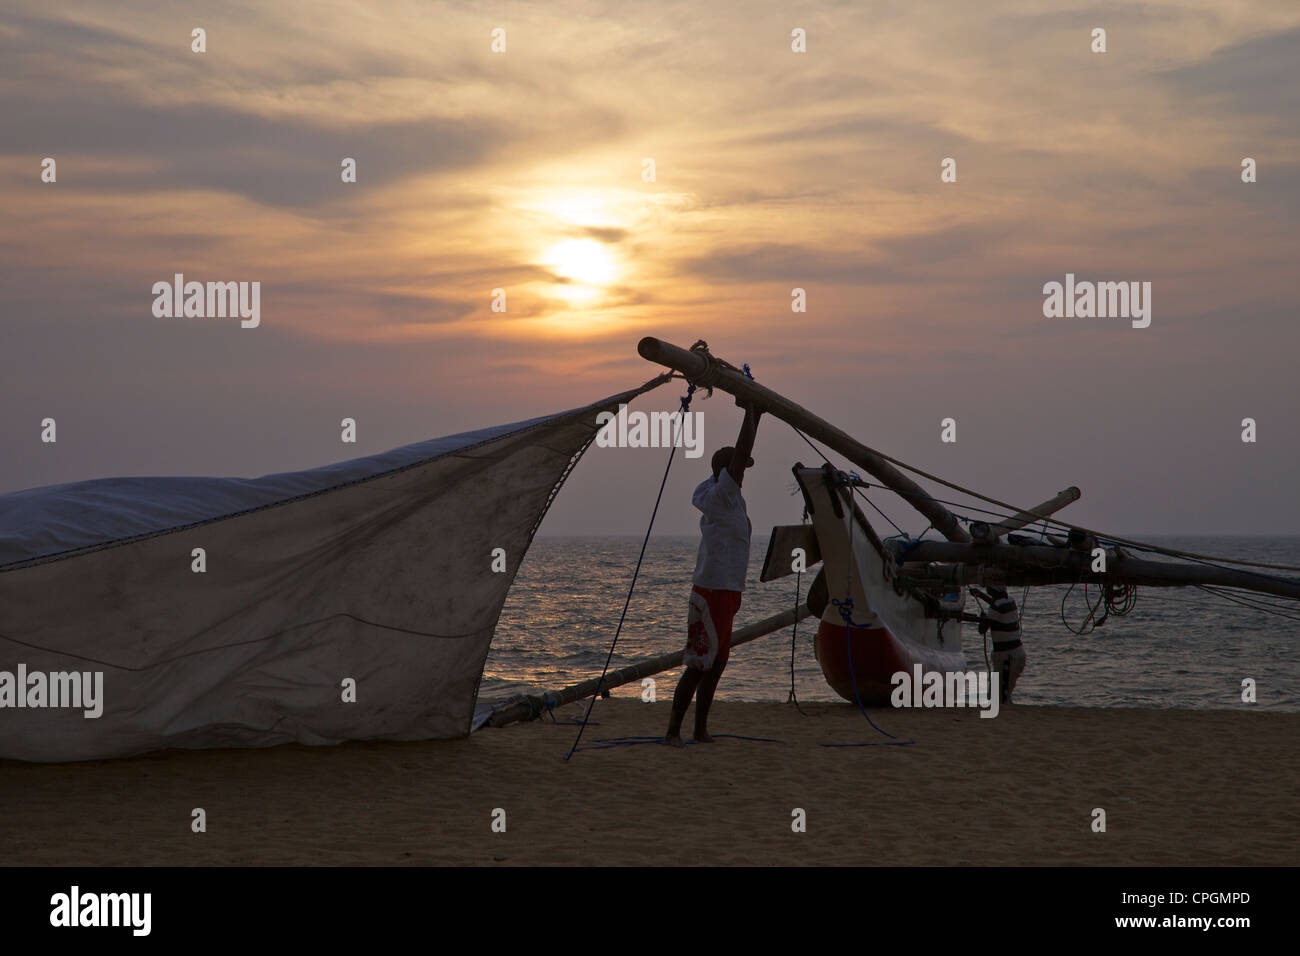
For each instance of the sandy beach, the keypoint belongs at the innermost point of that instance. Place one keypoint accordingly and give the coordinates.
(1178, 787)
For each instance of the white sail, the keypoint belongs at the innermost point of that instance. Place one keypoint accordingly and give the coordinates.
(376, 571)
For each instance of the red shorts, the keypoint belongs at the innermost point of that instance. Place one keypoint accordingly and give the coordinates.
(708, 627)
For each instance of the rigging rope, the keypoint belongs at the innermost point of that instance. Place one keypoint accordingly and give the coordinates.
(1238, 599)
(1118, 604)
(1149, 548)
(855, 488)
(1072, 527)
(846, 612)
(608, 743)
(988, 666)
(798, 588)
(672, 449)
(1088, 625)
(713, 374)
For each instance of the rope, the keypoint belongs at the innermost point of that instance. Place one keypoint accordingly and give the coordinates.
(858, 491)
(846, 611)
(863, 496)
(798, 588)
(712, 376)
(988, 665)
(1126, 601)
(713, 367)
(672, 449)
(607, 743)
(1097, 534)
(1087, 627)
(1209, 589)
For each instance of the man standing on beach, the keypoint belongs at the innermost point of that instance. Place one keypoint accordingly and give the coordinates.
(1003, 619)
(719, 578)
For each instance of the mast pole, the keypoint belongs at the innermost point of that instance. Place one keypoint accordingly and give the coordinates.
(706, 371)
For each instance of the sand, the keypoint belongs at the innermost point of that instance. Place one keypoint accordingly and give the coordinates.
(1178, 787)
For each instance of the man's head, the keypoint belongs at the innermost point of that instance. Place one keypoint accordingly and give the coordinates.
(722, 458)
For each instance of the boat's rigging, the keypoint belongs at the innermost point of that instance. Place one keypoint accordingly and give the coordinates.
(1117, 609)
(1262, 601)
(1113, 599)
(1244, 602)
(794, 631)
(856, 489)
(936, 567)
(712, 374)
(1090, 623)
(672, 449)
(846, 612)
(1229, 595)
(1213, 562)
(1100, 536)
(1117, 604)
(1120, 599)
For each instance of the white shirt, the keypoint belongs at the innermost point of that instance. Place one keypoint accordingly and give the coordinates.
(724, 534)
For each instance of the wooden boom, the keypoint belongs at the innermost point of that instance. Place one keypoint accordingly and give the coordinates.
(1048, 508)
(707, 372)
(1041, 564)
(532, 707)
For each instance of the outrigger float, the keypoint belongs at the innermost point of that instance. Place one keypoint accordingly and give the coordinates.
(889, 605)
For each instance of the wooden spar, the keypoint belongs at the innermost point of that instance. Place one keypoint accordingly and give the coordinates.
(1048, 508)
(707, 372)
(1040, 564)
(984, 575)
(532, 707)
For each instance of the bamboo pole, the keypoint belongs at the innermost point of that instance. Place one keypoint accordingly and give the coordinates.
(531, 707)
(705, 371)
(1040, 564)
(1048, 508)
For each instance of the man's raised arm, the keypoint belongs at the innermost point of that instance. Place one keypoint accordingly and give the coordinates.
(744, 442)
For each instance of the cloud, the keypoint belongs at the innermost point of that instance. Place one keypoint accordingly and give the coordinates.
(904, 258)
(1256, 76)
(277, 162)
(603, 234)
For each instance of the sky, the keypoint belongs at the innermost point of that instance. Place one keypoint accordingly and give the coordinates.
(525, 170)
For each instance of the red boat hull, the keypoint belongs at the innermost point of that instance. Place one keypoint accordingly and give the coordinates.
(876, 656)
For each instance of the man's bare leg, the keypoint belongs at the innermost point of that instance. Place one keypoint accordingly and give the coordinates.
(704, 700)
(690, 679)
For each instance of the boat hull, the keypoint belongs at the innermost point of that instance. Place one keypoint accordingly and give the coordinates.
(887, 630)
(868, 658)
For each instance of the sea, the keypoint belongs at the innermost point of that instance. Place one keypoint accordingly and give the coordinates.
(1177, 648)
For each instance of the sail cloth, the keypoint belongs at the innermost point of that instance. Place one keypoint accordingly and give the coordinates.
(377, 570)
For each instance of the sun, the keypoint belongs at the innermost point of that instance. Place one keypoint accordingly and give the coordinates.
(582, 260)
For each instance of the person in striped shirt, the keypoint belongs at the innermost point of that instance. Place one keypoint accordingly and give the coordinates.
(1003, 619)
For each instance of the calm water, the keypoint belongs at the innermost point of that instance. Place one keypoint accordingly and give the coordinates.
(1178, 648)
